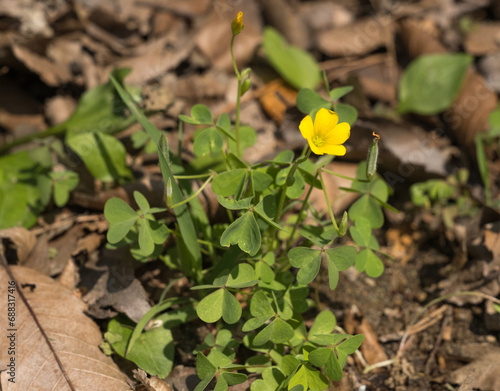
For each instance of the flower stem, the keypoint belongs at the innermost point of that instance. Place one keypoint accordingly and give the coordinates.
(327, 200)
(299, 217)
(287, 183)
(195, 194)
(237, 121)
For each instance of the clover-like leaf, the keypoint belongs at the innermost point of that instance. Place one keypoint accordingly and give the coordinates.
(141, 201)
(121, 219)
(307, 376)
(271, 379)
(278, 331)
(264, 272)
(323, 324)
(347, 113)
(370, 263)
(367, 207)
(219, 304)
(232, 204)
(200, 115)
(266, 209)
(159, 231)
(233, 378)
(261, 181)
(205, 370)
(339, 259)
(261, 310)
(146, 242)
(361, 233)
(154, 350)
(284, 157)
(339, 92)
(325, 357)
(309, 100)
(229, 182)
(248, 137)
(208, 141)
(242, 276)
(308, 260)
(224, 123)
(244, 232)
(64, 183)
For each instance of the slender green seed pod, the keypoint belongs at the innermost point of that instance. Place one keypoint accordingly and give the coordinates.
(169, 191)
(371, 159)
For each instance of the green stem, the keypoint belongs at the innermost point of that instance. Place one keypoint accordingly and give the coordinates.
(289, 177)
(238, 101)
(299, 218)
(198, 176)
(179, 141)
(195, 194)
(237, 121)
(345, 177)
(238, 76)
(327, 200)
(327, 87)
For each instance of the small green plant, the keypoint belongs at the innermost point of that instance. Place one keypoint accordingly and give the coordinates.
(445, 198)
(252, 272)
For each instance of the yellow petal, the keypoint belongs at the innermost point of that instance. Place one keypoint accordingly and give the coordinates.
(324, 122)
(339, 134)
(336, 150)
(314, 148)
(307, 128)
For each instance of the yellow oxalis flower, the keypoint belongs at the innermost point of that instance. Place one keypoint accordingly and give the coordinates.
(326, 135)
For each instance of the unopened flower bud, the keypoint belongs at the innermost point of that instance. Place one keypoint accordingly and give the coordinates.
(169, 192)
(343, 225)
(245, 86)
(237, 24)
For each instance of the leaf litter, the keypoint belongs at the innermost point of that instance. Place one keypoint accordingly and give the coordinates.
(436, 261)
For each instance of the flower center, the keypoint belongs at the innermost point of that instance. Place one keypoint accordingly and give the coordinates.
(318, 141)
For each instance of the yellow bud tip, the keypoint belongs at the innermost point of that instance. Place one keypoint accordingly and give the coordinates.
(237, 24)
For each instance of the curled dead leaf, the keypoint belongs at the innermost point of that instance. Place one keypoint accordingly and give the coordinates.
(61, 322)
(22, 239)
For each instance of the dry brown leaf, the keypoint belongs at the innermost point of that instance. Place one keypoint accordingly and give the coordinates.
(372, 350)
(22, 239)
(470, 110)
(322, 15)
(74, 337)
(275, 97)
(189, 8)
(153, 383)
(356, 39)
(483, 39)
(213, 39)
(51, 73)
(59, 108)
(484, 371)
(283, 16)
(492, 240)
(19, 120)
(419, 38)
